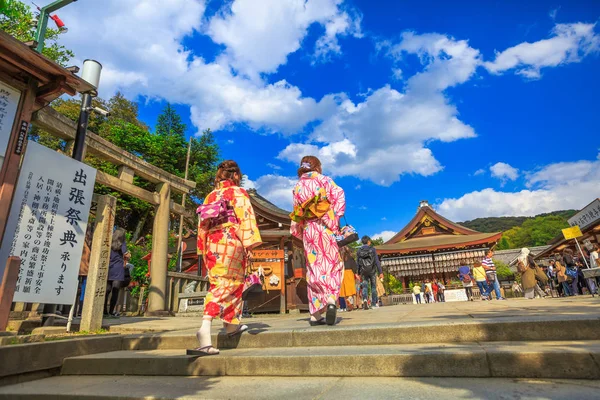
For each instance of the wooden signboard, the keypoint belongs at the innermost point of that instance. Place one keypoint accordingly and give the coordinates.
(267, 254)
(273, 273)
(273, 270)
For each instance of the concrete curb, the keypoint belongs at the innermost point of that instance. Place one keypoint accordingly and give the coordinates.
(566, 360)
(24, 358)
(576, 329)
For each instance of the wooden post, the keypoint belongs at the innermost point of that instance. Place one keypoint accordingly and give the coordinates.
(160, 253)
(9, 173)
(7, 289)
(95, 291)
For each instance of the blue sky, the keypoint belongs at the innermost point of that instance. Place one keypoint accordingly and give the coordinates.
(482, 108)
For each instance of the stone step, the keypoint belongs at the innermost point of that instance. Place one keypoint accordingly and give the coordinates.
(262, 336)
(563, 360)
(325, 388)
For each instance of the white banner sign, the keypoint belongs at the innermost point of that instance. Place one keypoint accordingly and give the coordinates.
(9, 101)
(455, 295)
(588, 216)
(47, 224)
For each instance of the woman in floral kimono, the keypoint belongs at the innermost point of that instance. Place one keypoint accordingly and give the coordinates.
(225, 248)
(318, 205)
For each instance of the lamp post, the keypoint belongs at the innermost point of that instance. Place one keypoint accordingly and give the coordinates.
(42, 25)
(90, 73)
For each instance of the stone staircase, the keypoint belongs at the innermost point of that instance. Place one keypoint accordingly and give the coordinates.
(533, 348)
(526, 349)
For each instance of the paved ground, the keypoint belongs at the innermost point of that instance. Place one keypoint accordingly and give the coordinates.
(408, 314)
(187, 388)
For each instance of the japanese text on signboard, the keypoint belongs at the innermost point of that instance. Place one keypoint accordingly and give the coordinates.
(47, 225)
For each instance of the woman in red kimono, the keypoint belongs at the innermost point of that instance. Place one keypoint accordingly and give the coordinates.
(226, 248)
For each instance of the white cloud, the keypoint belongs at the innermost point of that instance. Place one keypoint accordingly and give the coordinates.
(247, 183)
(569, 43)
(384, 219)
(552, 14)
(399, 124)
(397, 74)
(362, 208)
(230, 141)
(480, 171)
(273, 166)
(566, 185)
(140, 46)
(277, 189)
(504, 172)
(357, 187)
(259, 35)
(385, 235)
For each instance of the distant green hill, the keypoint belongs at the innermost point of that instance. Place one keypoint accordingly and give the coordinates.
(501, 224)
(523, 231)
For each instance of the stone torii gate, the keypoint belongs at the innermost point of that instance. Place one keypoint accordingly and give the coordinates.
(129, 166)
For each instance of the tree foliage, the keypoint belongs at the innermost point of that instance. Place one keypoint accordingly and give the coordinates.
(16, 19)
(501, 224)
(537, 231)
(166, 148)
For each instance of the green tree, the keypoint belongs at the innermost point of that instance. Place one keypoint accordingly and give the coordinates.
(377, 241)
(502, 270)
(16, 19)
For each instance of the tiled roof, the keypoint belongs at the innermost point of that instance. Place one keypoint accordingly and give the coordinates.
(438, 242)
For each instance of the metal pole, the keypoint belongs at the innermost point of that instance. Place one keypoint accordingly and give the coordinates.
(71, 313)
(82, 124)
(180, 237)
(587, 266)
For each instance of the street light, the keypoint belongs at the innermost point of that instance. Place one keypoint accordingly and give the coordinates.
(42, 25)
(91, 74)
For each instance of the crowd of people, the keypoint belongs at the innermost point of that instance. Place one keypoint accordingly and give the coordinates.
(336, 277)
(431, 291)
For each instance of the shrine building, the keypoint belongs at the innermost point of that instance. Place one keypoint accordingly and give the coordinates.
(431, 246)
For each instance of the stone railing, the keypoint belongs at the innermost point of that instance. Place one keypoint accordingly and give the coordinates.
(189, 285)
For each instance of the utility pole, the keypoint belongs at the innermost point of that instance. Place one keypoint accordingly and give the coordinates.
(40, 33)
(180, 238)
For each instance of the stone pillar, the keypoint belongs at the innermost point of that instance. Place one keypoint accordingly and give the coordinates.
(95, 291)
(157, 297)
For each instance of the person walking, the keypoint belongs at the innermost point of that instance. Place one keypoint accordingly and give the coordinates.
(417, 292)
(440, 290)
(481, 280)
(348, 288)
(561, 276)
(530, 274)
(571, 270)
(491, 275)
(225, 243)
(464, 274)
(318, 206)
(368, 267)
(116, 270)
(427, 294)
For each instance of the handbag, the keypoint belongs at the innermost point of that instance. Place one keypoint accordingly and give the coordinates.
(521, 267)
(348, 234)
(253, 283)
(571, 272)
(217, 213)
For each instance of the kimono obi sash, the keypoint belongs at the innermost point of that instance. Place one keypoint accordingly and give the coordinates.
(214, 214)
(312, 209)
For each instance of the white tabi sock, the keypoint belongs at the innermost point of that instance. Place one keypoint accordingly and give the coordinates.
(203, 333)
(316, 316)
